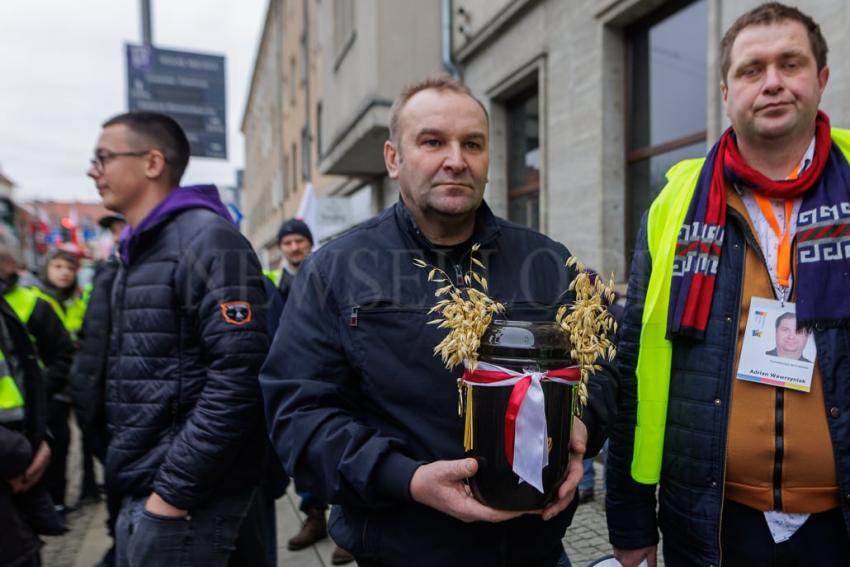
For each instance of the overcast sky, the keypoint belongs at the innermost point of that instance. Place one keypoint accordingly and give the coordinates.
(62, 73)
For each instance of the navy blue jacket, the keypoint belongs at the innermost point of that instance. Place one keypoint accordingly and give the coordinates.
(692, 473)
(183, 403)
(356, 400)
(88, 373)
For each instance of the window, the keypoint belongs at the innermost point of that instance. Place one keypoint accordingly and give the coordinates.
(666, 93)
(294, 161)
(292, 81)
(523, 121)
(277, 190)
(285, 189)
(343, 29)
(305, 154)
(303, 59)
(319, 128)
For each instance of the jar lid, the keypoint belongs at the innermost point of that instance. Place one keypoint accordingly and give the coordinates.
(540, 340)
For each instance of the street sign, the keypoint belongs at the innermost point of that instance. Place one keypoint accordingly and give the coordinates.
(188, 87)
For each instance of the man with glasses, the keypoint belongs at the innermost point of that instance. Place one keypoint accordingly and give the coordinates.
(187, 339)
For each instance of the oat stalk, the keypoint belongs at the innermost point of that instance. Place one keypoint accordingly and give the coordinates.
(465, 311)
(588, 323)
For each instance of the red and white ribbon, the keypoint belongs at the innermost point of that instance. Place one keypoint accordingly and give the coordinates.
(526, 436)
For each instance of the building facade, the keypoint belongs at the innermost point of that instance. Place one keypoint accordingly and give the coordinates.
(280, 124)
(371, 50)
(262, 126)
(591, 101)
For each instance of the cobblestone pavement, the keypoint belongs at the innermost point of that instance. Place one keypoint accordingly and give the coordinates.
(586, 540)
(62, 551)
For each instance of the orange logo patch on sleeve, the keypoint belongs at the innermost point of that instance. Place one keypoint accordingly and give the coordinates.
(236, 312)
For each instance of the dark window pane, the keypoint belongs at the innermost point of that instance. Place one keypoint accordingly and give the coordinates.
(525, 210)
(524, 158)
(647, 178)
(668, 88)
(305, 154)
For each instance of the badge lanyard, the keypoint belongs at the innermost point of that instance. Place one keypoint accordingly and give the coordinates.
(783, 257)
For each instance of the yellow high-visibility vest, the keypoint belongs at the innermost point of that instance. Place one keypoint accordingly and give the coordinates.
(655, 353)
(23, 300)
(11, 398)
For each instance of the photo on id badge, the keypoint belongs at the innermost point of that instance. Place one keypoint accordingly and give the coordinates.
(775, 351)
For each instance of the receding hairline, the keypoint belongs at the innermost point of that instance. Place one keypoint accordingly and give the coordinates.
(396, 132)
(439, 84)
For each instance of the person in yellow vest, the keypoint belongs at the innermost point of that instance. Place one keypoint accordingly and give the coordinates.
(58, 285)
(26, 509)
(59, 282)
(55, 352)
(749, 453)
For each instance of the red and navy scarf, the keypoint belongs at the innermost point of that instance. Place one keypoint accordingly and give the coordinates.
(823, 234)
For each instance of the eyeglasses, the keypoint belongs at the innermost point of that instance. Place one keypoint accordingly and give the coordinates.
(102, 158)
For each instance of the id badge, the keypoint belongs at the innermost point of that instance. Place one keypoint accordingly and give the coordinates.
(775, 351)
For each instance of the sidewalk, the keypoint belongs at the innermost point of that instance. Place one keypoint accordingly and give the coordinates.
(585, 541)
(85, 544)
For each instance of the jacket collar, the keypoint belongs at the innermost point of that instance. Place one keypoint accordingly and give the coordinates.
(486, 225)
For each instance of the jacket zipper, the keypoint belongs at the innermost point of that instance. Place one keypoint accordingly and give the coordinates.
(352, 319)
(459, 276)
(779, 449)
(780, 393)
(779, 425)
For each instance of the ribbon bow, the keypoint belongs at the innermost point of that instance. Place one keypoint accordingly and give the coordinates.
(526, 436)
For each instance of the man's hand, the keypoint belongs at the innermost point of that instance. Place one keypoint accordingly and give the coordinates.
(440, 485)
(34, 472)
(156, 505)
(578, 446)
(633, 557)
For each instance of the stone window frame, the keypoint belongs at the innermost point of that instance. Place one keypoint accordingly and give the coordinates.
(512, 84)
(616, 17)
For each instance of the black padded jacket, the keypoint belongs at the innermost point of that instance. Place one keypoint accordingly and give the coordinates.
(188, 338)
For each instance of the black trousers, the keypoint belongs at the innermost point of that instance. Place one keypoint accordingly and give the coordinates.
(746, 541)
(89, 487)
(58, 414)
(99, 439)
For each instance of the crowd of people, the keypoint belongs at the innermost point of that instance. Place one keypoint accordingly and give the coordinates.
(203, 383)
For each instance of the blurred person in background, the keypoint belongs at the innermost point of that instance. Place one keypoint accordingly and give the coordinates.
(58, 281)
(26, 508)
(40, 314)
(88, 373)
(296, 243)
